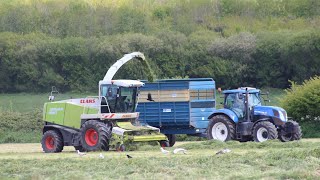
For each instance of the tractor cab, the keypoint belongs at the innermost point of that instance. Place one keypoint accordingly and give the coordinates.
(234, 100)
(119, 96)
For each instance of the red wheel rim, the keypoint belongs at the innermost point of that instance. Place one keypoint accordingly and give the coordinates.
(91, 137)
(163, 144)
(50, 142)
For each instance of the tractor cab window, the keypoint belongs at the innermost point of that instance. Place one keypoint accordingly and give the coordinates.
(235, 103)
(254, 100)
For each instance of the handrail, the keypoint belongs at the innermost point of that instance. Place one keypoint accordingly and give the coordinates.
(99, 106)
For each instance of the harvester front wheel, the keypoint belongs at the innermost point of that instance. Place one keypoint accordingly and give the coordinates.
(264, 130)
(95, 136)
(221, 128)
(52, 142)
(285, 137)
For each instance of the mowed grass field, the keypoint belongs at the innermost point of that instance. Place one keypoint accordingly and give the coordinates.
(267, 160)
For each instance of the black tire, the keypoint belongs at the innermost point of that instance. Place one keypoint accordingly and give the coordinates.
(219, 124)
(80, 148)
(164, 144)
(264, 130)
(285, 137)
(52, 141)
(172, 139)
(95, 136)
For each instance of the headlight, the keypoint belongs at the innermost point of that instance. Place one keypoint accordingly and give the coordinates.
(281, 116)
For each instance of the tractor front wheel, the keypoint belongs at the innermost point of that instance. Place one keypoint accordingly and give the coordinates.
(221, 128)
(95, 136)
(52, 142)
(264, 130)
(285, 137)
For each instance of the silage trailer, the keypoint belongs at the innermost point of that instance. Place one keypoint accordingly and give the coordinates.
(177, 106)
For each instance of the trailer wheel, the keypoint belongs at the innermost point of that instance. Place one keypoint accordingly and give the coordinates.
(221, 128)
(52, 142)
(164, 144)
(172, 139)
(95, 136)
(264, 130)
(285, 137)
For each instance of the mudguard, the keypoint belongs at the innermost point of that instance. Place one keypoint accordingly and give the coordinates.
(232, 115)
(71, 137)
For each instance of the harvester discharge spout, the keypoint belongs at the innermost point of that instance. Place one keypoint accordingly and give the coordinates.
(116, 66)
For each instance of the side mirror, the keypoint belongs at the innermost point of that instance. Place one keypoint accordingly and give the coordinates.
(51, 98)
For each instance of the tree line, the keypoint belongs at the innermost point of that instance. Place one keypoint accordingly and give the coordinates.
(71, 44)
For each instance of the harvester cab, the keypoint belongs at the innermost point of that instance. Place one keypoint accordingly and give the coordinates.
(244, 118)
(120, 96)
(99, 122)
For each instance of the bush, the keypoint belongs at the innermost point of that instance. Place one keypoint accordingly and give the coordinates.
(18, 127)
(302, 102)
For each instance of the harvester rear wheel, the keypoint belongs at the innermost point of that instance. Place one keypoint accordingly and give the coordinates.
(285, 137)
(264, 130)
(52, 142)
(221, 128)
(95, 136)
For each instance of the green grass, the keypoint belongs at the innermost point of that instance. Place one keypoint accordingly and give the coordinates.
(268, 160)
(23, 102)
(274, 95)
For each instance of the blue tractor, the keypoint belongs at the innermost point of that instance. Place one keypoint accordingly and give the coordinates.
(244, 118)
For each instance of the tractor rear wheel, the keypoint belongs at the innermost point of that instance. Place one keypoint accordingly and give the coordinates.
(52, 141)
(264, 130)
(285, 137)
(221, 128)
(95, 136)
(172, 139)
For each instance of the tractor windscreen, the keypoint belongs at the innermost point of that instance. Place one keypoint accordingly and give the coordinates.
(254, 100)
(119, 99)
(235, 102)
